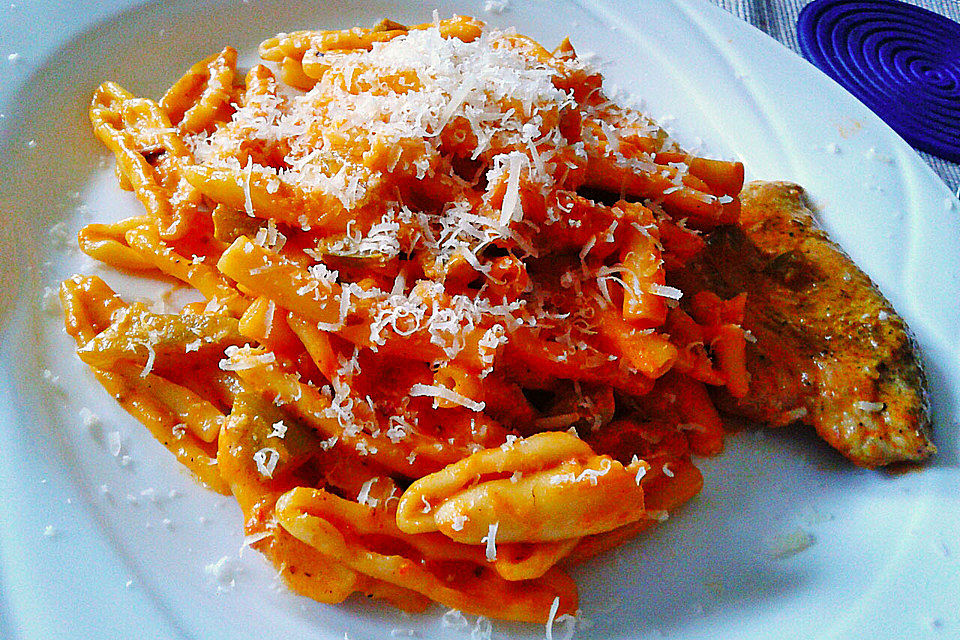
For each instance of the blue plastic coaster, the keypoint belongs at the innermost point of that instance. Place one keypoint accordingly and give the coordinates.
(900, 60)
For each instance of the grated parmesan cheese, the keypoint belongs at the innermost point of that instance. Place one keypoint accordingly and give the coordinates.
(482, 629)
(397, 428)
(592, 475)
(453, 618)
(665, 292)
(266, 460)
(511, 199)
(253, 538)
(238, 361)
(364, 496)
(642, 471)
(224, 573)
(491, 541)
(444, 393)
(458, 521)
(554, 606)
(279, 430)
(148, 367)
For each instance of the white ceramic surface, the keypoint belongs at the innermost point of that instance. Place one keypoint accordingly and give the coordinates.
(94, 545)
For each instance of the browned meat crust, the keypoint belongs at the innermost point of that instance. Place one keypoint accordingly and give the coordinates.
(830, 351)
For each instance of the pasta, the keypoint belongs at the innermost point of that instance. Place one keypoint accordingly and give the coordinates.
(437, 358)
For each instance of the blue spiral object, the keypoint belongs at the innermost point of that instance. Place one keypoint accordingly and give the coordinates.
(900, 60)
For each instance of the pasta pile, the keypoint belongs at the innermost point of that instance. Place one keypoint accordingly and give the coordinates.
(437, 357)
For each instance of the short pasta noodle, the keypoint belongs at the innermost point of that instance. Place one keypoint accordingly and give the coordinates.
(438, 357)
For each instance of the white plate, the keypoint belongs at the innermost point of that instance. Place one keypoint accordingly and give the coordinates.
(132, 549)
